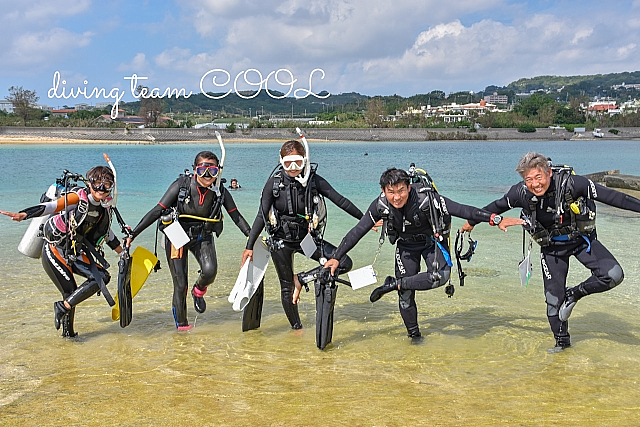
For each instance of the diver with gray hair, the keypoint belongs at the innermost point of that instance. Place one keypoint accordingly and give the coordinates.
(559, 209)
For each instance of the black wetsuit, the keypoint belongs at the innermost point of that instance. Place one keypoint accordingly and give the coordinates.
(606, 272)
(290, 206)
(61, 261)
(198, 201)
(414, 241)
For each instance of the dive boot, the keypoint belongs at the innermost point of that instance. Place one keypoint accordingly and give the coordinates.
(561, 343)
(67, 324)
(415, 335)
(59, 310)
(571, 297)
(390, 285)
(198, 299)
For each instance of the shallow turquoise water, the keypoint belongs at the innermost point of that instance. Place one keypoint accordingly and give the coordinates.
(483, 362)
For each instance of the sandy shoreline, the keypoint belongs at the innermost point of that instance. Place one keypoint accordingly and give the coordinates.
(4, 139)
(15, 135)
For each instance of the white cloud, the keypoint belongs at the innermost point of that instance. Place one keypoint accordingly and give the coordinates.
(138, 64)
(633, 23)
(340, 29)
(31, 36)
(369, 46)
(438, 32)
(179, 59)
(46, 10)
(581, 34)
(36, 48)
(490, 51)
(625, 52)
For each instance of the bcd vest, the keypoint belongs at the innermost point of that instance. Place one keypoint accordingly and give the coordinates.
(430, 204)
(572, 217)
(185, 206)
(289, 225)
(84, 223)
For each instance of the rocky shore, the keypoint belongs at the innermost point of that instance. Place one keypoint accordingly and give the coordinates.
(11, 134)
(614, 179)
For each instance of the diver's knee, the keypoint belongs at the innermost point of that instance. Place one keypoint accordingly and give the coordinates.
(445, 275)
(553, 304)
(208, 274)
(405, 299)
(616, 275)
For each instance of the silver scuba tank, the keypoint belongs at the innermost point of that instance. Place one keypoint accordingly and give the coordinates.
(32, 241)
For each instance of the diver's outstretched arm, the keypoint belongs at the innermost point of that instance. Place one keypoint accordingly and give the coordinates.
(15, 216)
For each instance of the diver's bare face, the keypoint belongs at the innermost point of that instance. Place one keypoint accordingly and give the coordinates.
(397, 194)
(537, 180)
(293, 173)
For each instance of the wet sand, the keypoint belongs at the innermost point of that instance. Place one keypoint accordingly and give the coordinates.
(48, 140)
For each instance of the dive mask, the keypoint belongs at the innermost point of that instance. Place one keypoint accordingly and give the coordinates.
(104, 187)
(292, 162)
(207, 170)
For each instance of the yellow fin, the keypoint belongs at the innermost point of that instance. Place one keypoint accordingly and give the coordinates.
(142, 263)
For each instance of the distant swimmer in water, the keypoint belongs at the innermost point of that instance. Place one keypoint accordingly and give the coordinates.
(79, 224)
(233, 185)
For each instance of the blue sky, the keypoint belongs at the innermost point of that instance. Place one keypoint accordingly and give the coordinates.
(373, 47)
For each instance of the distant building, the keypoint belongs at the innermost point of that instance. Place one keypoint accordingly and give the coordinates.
(320, 122)
(129, 120)
(497, 99)
(601, 108)
(635, 86)
(6, 106)
(631, 106)
(83, 106)
(63, 113)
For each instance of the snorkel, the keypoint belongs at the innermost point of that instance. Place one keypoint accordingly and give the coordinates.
(111, 201)
(221, 165)
(307, 167)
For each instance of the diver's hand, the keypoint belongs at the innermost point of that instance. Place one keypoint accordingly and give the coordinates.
(376, 225)
(467, 227)
(508, 222)
(332, 265)
(15, 216)
(127, 242)
(248, 253)
(297, 288)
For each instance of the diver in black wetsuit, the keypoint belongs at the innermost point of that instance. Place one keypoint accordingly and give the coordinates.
(416, 219)
(73, 242)
(195, 201)
(288, 209)
(560, 210)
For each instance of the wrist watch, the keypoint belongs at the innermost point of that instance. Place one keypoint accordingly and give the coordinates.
(495, 219)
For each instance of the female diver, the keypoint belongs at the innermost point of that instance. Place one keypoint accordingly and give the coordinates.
(289, 200)
(195, 202)
(73, 241)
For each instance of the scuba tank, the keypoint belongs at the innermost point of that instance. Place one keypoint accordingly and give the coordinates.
(32, 241)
